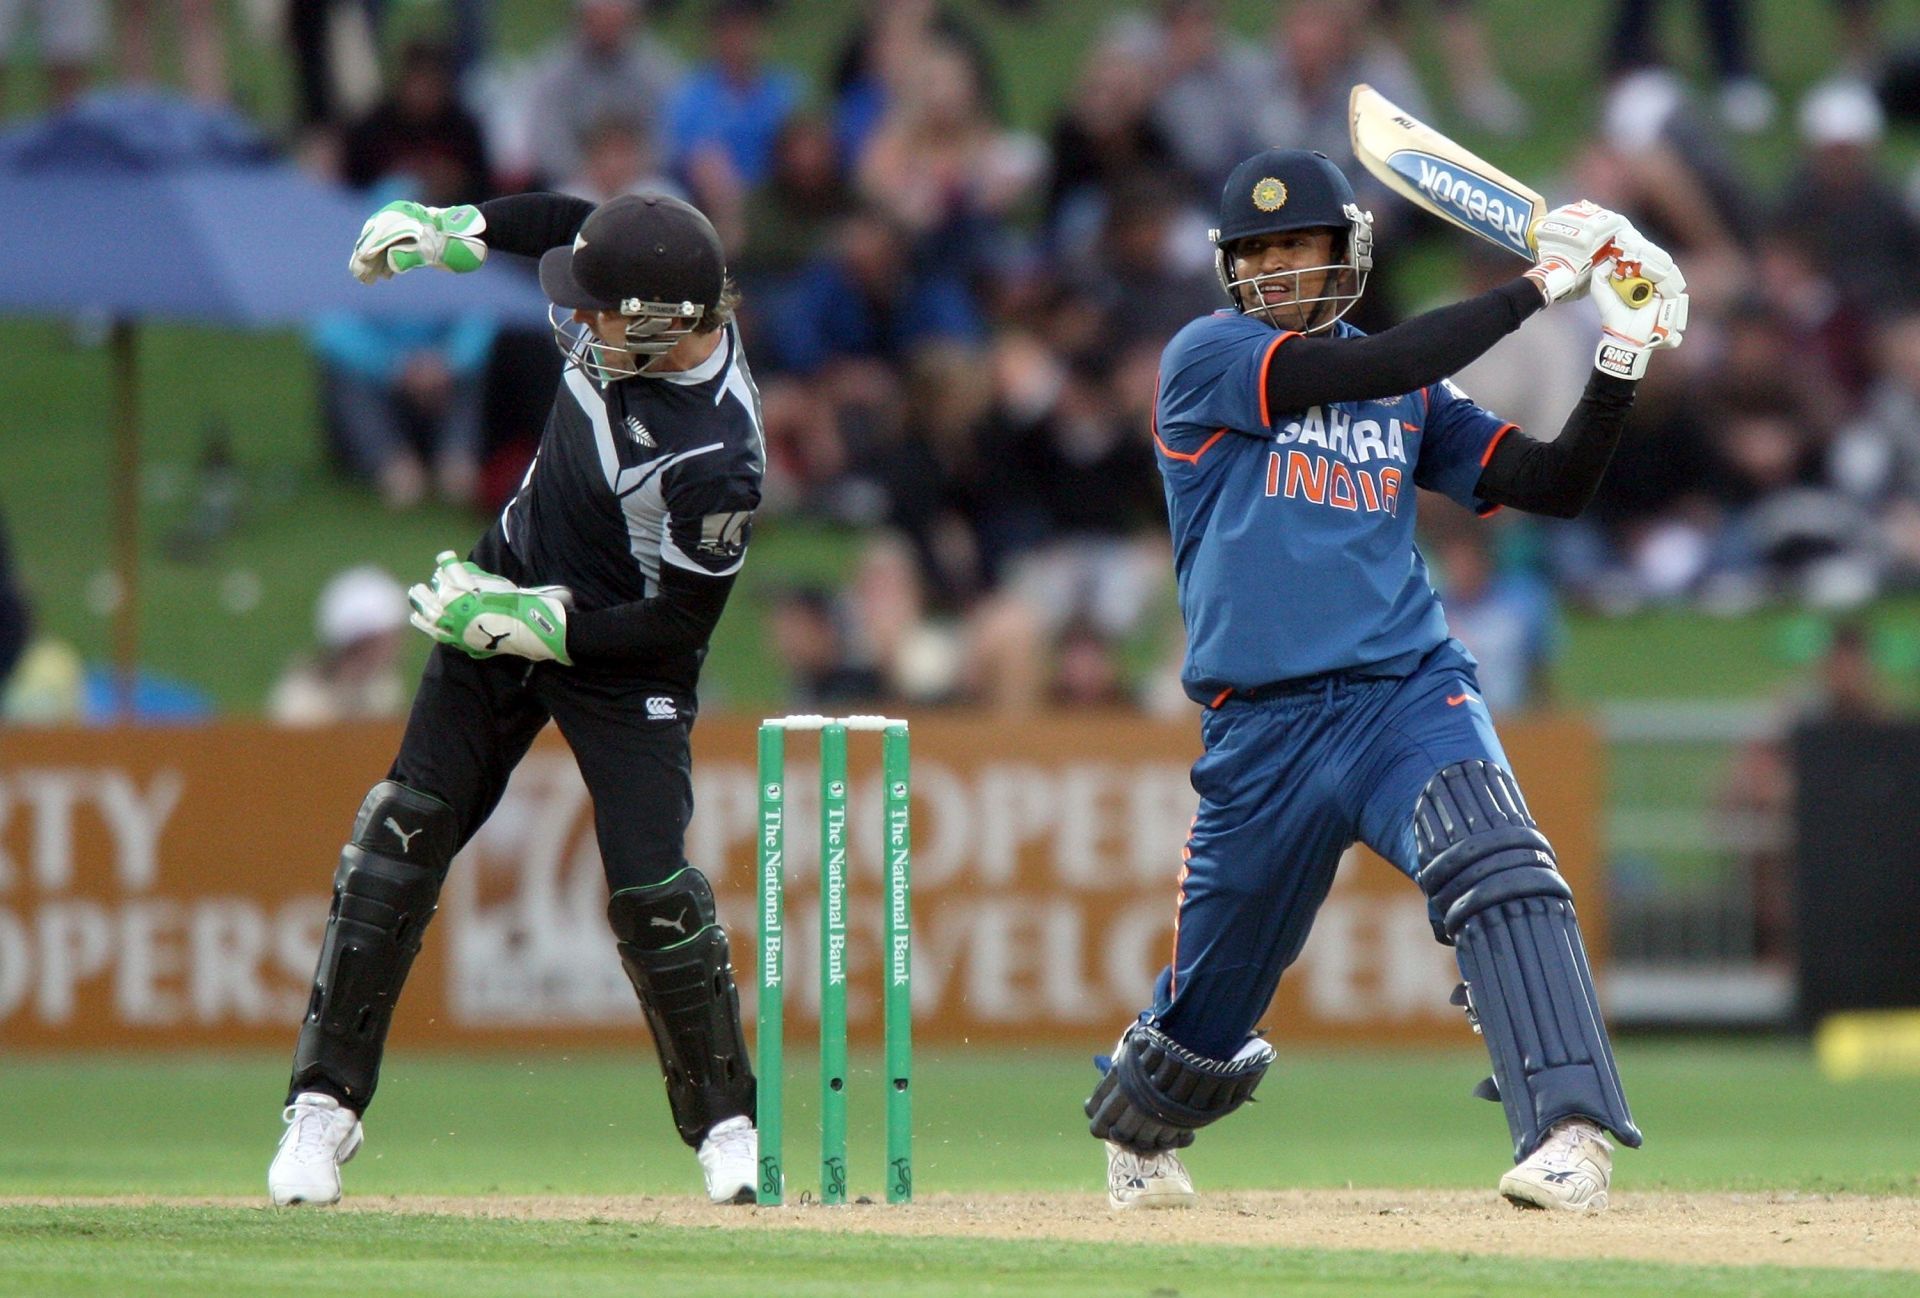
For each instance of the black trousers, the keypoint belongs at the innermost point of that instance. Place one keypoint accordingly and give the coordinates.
(474, 719)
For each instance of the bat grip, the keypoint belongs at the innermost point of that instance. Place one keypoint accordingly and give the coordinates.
(1635, 290)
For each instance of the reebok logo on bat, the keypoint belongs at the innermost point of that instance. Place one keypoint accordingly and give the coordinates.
(1455, 700)
(1490, 209)
(406, 839)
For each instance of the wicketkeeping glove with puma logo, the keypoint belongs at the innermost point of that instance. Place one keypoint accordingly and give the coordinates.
(482, 615)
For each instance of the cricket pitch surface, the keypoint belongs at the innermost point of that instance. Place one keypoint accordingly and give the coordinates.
(1763, 1228)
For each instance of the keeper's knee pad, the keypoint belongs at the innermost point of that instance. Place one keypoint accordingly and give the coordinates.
(675, 955)
(1497, 894)
(385, 892)
(1157, 1093)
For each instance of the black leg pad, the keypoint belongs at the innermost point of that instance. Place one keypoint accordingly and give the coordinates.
(385, 892)
(1156, 1093)
(1491, 878)
(675, 955)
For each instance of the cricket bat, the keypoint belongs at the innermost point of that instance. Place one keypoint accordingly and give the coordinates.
(1436, 174)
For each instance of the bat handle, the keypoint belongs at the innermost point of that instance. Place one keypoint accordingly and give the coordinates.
(1635, 290)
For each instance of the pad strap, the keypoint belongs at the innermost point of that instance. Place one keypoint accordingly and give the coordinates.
(675, 955)
(1494, 888)
(1156, 1093)
(385, 891)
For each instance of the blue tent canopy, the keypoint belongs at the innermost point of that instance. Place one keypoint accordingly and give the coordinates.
(143, 206)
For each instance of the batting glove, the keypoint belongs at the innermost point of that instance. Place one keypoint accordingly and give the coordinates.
(1568, 241)
(1630, 334)
(484, 615)
(403, 235)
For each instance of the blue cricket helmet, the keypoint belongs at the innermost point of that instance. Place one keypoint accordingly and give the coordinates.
(1293, 189)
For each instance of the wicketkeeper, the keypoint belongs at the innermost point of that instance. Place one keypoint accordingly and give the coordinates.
(590, 602)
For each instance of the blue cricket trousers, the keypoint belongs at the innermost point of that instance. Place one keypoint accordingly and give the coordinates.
(1290, 779)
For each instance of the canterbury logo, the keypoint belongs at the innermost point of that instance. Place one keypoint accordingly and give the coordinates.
(406, 839)
(678, 924)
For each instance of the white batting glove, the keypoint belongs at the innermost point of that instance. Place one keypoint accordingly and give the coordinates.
(1630, 334)
(1568, 241)
(1638, 255)
(403, 235)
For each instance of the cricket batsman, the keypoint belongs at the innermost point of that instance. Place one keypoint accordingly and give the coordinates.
(1337, 708)
(588, 602)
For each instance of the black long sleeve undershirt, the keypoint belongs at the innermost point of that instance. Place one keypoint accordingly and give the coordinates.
(1313, 371)
(1558, 478)
(529, 224)
(680, 618)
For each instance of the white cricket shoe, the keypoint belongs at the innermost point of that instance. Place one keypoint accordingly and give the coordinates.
(1569, 1170)
(730, 1159)
(320, 1136)
(1136, 1180)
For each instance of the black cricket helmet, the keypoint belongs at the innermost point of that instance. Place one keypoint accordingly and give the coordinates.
(1293, 189)
(649, 257)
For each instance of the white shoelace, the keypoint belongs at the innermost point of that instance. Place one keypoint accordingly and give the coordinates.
(1565, 1141)
(311, 1128)
(1146, 1166)
(732, 1140)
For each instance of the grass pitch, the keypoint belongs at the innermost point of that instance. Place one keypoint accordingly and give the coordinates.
(569, 1132)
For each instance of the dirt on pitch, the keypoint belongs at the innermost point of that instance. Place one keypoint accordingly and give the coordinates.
(1776, 1229)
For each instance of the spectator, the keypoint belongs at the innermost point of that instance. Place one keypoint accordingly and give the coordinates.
(812, 645)
(606, 66)
(1656, 158)
(1876, 458)
(1747, 104)
(616, 157)
(202, 38)
(1087, 670)
(735, 105)
(1781, 529)
(1758, 793)
(1212, 90)
(420, 131)
(1506, 619)
(805, 196)
(382, 379)
(1137, 276)
(1825, 330)
(16, 623)
(1480, 94)
(1104, 133)
(336, 54)
(359, 619)
(877, 58)
(1321, 49)
(863, 301)
(1850, 215)
(1099, 557)
(939, 166)
(70, 36)
(1533, 376)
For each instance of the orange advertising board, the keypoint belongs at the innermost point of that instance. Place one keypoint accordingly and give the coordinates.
(168, 887)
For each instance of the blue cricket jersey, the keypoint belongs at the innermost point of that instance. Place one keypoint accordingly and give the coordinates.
(1293, 529)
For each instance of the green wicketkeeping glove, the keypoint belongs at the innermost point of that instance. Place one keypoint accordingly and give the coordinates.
(483, 615)
(403, 235)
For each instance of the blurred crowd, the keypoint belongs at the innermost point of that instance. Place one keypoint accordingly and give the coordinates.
(955, 323)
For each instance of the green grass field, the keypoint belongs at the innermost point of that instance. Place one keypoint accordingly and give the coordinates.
(1739, 1117)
